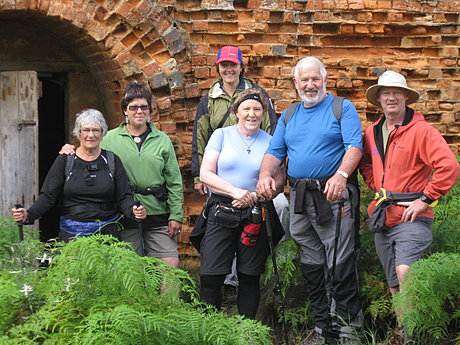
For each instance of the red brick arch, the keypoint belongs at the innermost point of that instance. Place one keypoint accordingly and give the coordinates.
(119, 40)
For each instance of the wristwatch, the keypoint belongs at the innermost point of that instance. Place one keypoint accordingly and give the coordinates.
(343, 173)
(426, 199)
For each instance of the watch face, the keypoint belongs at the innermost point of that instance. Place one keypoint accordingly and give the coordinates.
(423, 198)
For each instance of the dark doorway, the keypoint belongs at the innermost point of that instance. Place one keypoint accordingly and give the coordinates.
(51, 136)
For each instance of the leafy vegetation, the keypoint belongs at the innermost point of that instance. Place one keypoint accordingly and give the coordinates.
(96, 291)
(431, 296)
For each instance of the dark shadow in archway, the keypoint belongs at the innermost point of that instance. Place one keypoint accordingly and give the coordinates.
(51, 137)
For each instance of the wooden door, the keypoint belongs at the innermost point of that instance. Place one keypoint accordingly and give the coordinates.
(18, 139)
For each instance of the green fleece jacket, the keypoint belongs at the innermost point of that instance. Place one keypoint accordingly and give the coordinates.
(155, 164)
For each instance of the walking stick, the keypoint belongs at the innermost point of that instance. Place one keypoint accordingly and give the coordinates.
(267, 217)
(334, 257)
(20, 225)
(139, 221)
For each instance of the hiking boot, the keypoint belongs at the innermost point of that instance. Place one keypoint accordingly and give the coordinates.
(314, 338)
(347, 341)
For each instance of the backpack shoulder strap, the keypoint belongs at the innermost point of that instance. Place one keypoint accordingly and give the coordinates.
(109, 158)
(337, 107)
(289, 111)
(227, 114)
(69, 166)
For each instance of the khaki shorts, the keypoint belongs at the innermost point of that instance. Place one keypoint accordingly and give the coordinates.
(153, 242)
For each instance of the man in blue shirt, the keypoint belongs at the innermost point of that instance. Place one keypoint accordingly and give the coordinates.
(323, 150)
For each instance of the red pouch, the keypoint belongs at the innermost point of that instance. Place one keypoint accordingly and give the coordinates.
(250, 234)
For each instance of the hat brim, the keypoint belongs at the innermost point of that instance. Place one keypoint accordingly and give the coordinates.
(222, 59)
(373, 92)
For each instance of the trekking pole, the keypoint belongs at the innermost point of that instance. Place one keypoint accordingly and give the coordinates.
(139, 221)
(20, 225)
(266, 216)
(338, 223)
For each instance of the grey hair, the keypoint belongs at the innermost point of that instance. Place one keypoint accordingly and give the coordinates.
(91, 117)
(309, 62)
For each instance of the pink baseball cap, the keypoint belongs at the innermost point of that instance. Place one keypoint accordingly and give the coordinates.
(230, 53)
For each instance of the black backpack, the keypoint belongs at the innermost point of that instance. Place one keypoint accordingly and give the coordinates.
(336, 109)
(108, 157)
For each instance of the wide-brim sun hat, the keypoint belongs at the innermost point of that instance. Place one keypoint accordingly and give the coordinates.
(391, 79)
(230, 53)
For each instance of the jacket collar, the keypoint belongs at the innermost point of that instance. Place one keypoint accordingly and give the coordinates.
(154, 131)
(217, 89)
(378, 135)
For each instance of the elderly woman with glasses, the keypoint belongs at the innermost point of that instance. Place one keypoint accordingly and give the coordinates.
(92, 185)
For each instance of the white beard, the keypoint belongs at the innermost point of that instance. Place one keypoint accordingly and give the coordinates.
(311, 101)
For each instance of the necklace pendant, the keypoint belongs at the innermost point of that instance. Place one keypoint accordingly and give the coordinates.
(137, 140)
(249, 151)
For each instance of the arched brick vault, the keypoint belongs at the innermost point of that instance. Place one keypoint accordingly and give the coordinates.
(120, 41)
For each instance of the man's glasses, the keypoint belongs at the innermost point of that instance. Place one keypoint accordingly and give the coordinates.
(86, 131)
(137, 107)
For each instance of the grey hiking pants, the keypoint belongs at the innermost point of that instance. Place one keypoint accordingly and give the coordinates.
(317, 248)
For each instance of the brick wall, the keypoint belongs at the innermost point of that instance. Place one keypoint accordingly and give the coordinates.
(173, 44)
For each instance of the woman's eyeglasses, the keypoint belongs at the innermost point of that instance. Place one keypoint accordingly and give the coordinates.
(86, 131)
(137, 107)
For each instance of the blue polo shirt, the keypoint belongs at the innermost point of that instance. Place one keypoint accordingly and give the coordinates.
(314, 141)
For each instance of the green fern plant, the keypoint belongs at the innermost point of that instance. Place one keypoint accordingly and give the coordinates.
(10, 301)
(97, 291)
(430, 297)
(446, 227)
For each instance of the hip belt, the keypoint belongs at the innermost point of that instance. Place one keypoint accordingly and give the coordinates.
(82, 208)
(160, 192)
(385, 199)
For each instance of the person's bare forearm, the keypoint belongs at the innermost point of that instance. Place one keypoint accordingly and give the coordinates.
(269, 166)
(350, 160)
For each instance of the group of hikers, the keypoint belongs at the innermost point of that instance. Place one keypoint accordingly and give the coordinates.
(241, 154)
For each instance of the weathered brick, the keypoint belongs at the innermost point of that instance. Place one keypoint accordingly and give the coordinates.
(364, 17)
(266, 83)
(394, 17)
(262, 49)
(168, 127)
(439, 18)
(158, 80)
(192, 90)
(376, 28)
(200, 26)
(314, 5)
(362, 28)
(321, 16)
(202, 72)
(279, 50)
(150, 69)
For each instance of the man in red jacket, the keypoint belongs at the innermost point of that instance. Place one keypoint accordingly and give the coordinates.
(401, 150)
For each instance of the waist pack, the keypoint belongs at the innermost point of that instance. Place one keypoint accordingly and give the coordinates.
(385, 199)
(160, 192)
(231, 217)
